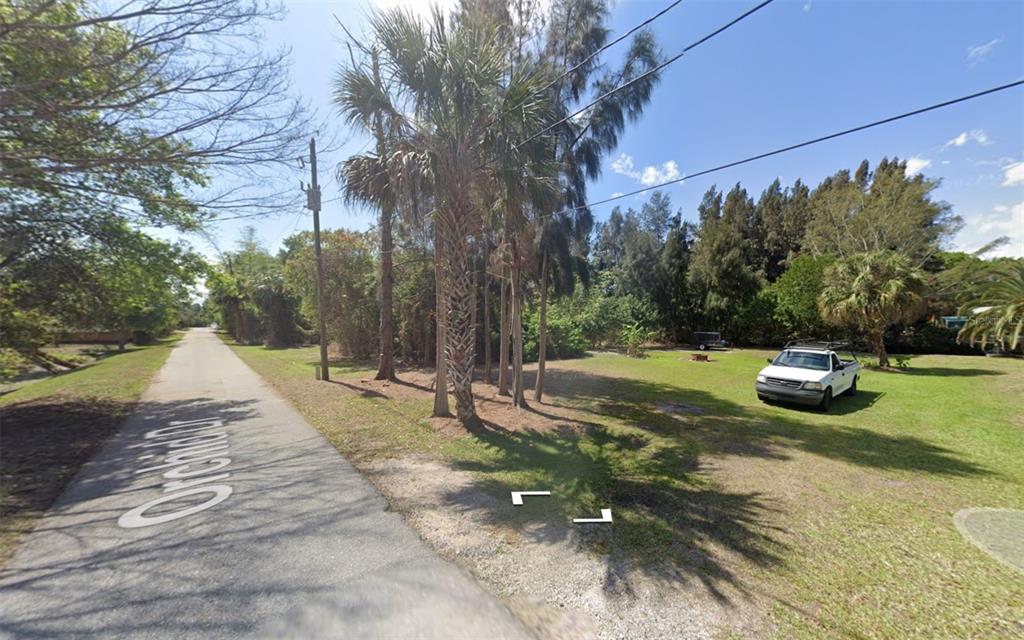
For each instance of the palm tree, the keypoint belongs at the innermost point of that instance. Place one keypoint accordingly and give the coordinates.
(559, 265)
(521, 191)
(1000, 304)
(576, 32)
(873, 291)
(454, 79)
(364, 101)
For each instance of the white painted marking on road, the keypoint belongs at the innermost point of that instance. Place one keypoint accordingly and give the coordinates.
(606, 516)
(137, 517)
(517, 496)
(192, 453)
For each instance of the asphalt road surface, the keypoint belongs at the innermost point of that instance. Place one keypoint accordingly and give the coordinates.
(218, 511)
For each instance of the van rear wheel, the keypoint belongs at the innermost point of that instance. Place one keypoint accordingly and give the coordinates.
(703, 347)
(852, 391)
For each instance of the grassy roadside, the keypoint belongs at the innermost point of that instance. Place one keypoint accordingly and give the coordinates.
(833, 525)
(50, 428)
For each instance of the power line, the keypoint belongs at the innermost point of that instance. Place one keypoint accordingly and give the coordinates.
(806, 143)
(593, 55)
(656, 69)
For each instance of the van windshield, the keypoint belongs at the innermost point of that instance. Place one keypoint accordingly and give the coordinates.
(802, 360)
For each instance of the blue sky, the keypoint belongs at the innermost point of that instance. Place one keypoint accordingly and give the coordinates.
(793, 71)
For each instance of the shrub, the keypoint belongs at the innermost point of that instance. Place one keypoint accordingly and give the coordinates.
(605, 318)
(796, 294)
(633, 337)
(565, 337)
(756, 322)
(927, 337)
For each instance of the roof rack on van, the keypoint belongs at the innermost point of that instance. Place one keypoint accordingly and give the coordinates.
(818, 344)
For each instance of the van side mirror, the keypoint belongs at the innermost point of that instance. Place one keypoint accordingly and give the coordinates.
(769, 360)
(840, 366)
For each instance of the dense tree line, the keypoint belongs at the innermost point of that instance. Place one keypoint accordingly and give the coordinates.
(761, 271)
(484, 250)
(113, 118)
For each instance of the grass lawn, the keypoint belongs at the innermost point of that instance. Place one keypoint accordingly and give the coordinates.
(50, 428)
(825, 525)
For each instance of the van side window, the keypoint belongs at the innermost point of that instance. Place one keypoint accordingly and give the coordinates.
(835, 362)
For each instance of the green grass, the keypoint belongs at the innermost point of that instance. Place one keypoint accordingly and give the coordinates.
(118, 376)
(828, 525)
(50, 428)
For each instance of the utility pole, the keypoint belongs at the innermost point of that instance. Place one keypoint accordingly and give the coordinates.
(313, 203)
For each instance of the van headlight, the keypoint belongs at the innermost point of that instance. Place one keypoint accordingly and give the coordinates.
(813, 386)
(762, 378)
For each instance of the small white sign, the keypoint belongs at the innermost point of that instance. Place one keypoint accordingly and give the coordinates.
(517, 496)
(606, 516)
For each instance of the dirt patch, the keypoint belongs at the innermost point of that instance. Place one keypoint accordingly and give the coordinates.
(541, 568)
(44, 443)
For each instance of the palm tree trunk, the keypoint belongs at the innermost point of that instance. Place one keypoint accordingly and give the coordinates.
(542, 330)
(441, 365)
(460, 337)
(879, 340)
(475, 299)
(487, 313)
(505, 318)
(426, 342)
(386, 363)
(518, 384)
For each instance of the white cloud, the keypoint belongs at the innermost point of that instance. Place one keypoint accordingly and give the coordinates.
(998, 162)
(916, 165)
(617, 194)
(807, 6)
(623, 164)
(650, 175)
(655, 175)
(978, 52)
(1013, 174)
(974, 135)
(1001, 221)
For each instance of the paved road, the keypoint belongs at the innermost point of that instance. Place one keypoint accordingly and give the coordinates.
(253, 527)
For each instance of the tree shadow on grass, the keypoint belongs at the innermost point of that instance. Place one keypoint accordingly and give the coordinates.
(723, 423)
(44, 445)
(841, 405)
(671, 520)
(37, 375)
(366, 393)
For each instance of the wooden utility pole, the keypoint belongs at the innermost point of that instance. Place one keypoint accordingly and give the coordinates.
(313, 203)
